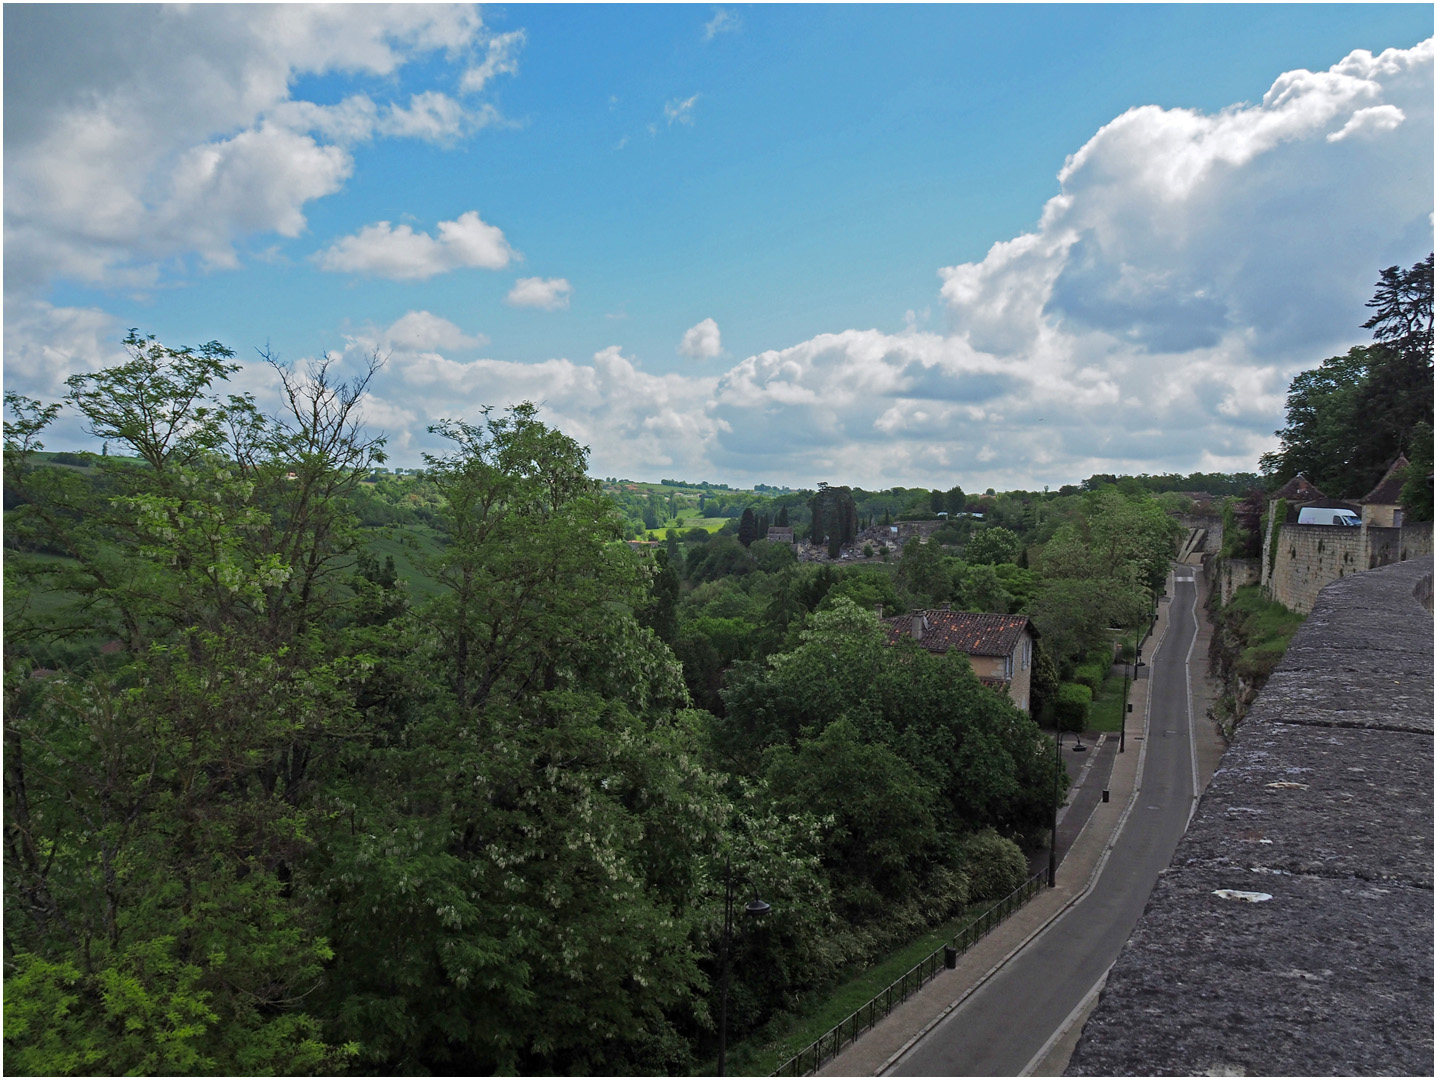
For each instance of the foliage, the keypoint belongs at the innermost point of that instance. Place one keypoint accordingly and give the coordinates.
(993, 544)
(1071, 707)
(1241, 527)
(880, 831)
(1417, 486)
(1044, 681)
(1350, 417)
(970, 744)
(159, 794)
(980, 588)
(1090, 675)
(834, 516)
(1256, 631)
(923, 574)
(995, 866)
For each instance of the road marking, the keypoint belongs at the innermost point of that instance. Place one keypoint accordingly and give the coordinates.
(1188, 693)
(1066, 1025)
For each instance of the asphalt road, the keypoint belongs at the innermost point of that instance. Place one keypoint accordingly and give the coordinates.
(1004, 1025)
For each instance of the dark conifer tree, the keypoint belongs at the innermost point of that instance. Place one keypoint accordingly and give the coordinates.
(747, 528)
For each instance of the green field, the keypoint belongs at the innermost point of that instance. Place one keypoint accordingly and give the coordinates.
(683, 524)
(409, 544)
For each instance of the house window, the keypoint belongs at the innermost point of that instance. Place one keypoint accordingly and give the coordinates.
(1008, 666)
(1027, 651)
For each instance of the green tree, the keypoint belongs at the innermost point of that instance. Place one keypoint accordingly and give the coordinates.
(979, 588)
(1417, 487)
(880, 829)
(160, 797)
(1348, 418)
(543, 811)
(993, 544)
(922, 573)
(747, 528)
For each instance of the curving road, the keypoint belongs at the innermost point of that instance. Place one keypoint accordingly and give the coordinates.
(1006, 1023)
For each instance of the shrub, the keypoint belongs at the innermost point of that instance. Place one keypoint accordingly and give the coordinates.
(1090, 675)
(1073, 703)
(994, 866)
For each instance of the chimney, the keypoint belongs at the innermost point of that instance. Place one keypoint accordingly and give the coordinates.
(878, 609)
(918, 624)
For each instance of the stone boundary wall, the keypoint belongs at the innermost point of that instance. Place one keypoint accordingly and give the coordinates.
(1212, 543)
(1416, 540)
(1307, 558)
(1235, 573)
(1292, 933)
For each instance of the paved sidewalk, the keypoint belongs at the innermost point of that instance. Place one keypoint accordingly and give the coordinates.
(1096, 824)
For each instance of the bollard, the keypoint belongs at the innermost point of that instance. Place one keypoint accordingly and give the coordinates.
(950, 957)
(1105, 794)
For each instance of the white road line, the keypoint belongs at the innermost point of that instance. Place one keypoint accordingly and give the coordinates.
(1188, 691)
(1066, 1026)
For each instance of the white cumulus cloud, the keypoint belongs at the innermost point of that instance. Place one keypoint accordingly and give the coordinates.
(551, 294)
(421, 331)
(1189, 266)
(171, 131)
(400, 253)
(701, 341)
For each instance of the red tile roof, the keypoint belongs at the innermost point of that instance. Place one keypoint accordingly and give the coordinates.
(1388, 491)
(973, 633)
(1299, 489)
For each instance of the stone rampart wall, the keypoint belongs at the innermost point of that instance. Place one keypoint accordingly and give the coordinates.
(1292, 933)
(1416, 540)
(1212, 543)
(1235, 573)
(1306, 558)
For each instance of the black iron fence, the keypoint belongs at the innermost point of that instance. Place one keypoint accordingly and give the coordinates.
(828, 1046)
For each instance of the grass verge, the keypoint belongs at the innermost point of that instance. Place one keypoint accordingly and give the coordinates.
(782, 1038)
(1106, 712)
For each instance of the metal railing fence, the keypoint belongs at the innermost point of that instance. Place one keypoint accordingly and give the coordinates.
(843, 1034)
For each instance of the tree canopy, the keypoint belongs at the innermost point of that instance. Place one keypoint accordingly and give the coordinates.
(1350, 417)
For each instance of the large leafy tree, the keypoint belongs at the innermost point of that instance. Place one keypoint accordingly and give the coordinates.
(160, 796)
(516, 880)
(1348, 418)
(993, 544)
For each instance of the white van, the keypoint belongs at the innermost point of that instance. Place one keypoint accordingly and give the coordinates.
(1327, 515)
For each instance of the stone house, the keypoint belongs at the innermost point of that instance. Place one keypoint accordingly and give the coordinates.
(1000, 647)
(780, 534)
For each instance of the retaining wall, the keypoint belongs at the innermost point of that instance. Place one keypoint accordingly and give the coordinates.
(1212, 543)
(1304, 559)
(1235, 573)
(1292, 933)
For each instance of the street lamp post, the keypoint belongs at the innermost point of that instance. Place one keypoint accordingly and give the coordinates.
(1078, 748)
(754, 907)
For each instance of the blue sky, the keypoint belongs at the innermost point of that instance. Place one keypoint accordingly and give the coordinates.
(991, 245)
